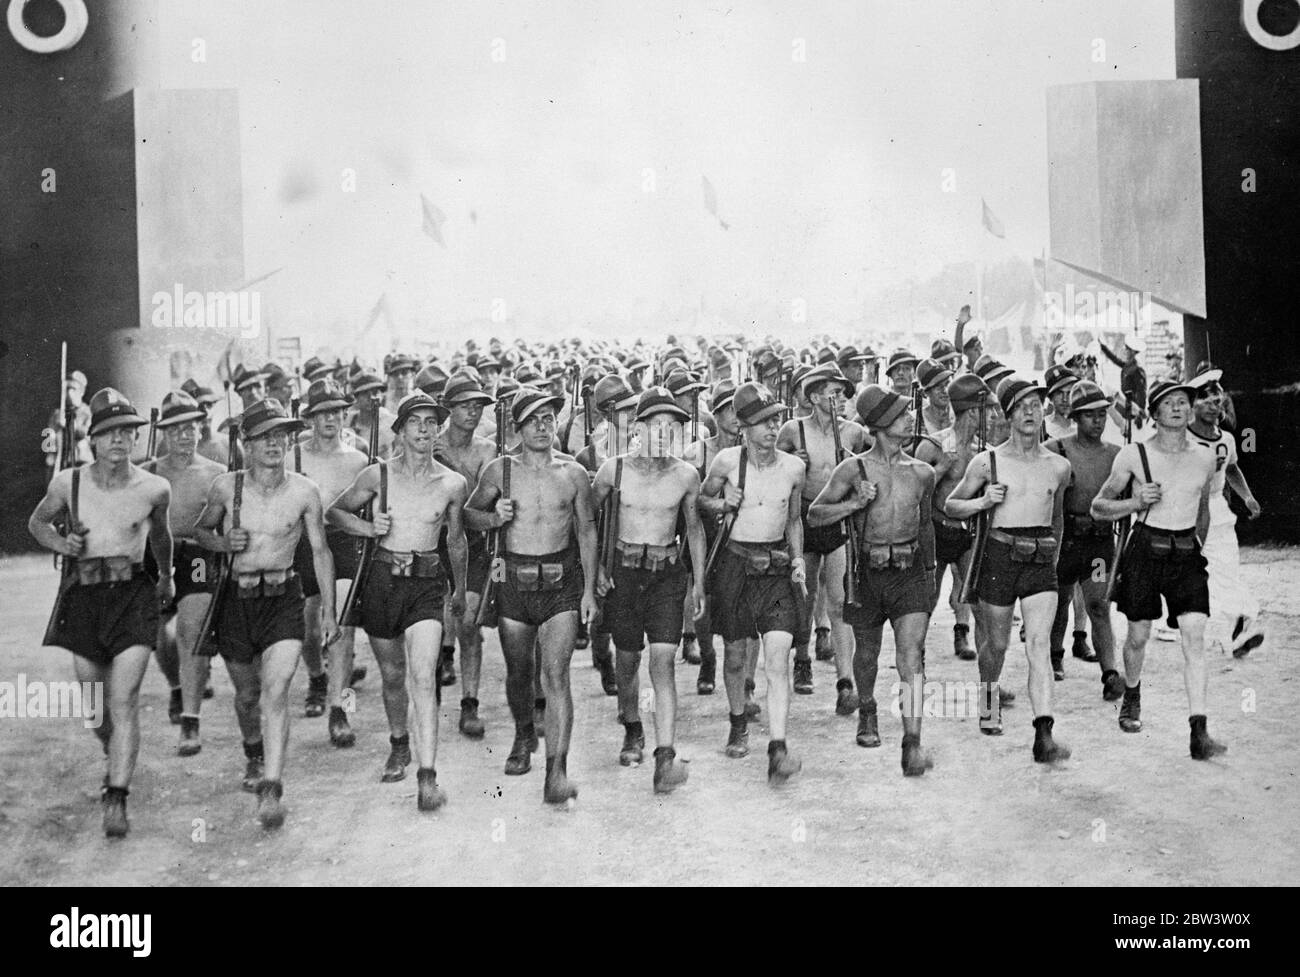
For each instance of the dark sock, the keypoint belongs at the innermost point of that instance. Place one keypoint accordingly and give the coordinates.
(400, 740)
(524, 731)
(540, 704)
(121, 792)
(844, 683)
(1107, 673)
(1080, 634)
(738, 722)
(665, 751)
(466, 702)
(634, 729)
(254, 751)
(317, 682)
(1133, 693)
(774, 745)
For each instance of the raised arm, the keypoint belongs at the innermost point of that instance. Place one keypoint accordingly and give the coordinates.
(485, 509)
(1107, 505)
(41, 522)
(342, 512)
(831, 506)
(974, 493)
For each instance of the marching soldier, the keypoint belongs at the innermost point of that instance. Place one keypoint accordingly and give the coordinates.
(1020, 557)
(106, 613)
(1172, 477)
(263, 510)
(760, 571)
(644, 594)
(895, 563)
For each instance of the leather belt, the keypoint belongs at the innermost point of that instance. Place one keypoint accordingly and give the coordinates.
(645, 556)
(263, 583)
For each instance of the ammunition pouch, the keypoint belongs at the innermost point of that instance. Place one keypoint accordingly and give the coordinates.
(764, 562)
(410, 564)
(1027, 549)
(644, 556)
(263, 583)
(106, 569)
(1086, 527)
(887, 556)
(536, 577)
(1170, 546)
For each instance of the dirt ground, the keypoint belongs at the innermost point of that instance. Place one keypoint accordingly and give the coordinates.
(1125, 810)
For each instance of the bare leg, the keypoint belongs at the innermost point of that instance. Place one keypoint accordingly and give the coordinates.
(557, 638)
(423, 645)
(122, 695)
(517, 642)
(471, 648)
(909, 656)
(866, 664)
(662, 677)
(776, 655)
(1191, 631)
(311, 643)
(833, 589)
(1135, 651)
(1038, 612)
(341, 653)
(247, 679)
(194, 669)
(279, 662)
(391, 656)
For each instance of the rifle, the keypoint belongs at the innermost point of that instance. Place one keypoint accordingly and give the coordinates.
(1123, 527)
(724, 531)
(608, 529)
(208, 631)
(349, 615)
(152, 444)
(850, 526)
(297, 444)
(487, 606)
(982, 519)
(695, 418)
(72, 525)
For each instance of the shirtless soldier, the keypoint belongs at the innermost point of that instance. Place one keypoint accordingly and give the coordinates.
(700, 455)
(1171, 476)
(261, 622)
(194, 568)
(1025, 491)
(759, 589)
(467, 454)
(546, 581)
(812, 440)
(106, 613)
(643, 599)
(895, 580)
(1088, 545)
(331, 465)
(949, 454)
(402, 605)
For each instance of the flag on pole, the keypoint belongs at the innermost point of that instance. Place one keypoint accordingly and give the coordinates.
(433, 220)
(711, 202)
(991, 222)
(225, 370)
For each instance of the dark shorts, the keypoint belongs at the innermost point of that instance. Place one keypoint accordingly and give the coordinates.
(344, 547)
(888, 594)
(747, 606)
(250, 625)
(821, 540)
(390, 605)
(480, 560)
(646, 604)
(1145, 578)
(535, 607)
(950, 543)
(100, 621)
(1003, 581)
(194, 570)
(1079, 559)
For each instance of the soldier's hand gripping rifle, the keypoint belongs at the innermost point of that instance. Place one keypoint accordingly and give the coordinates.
(487, 606)
(350, 614)
(850, 523)
(208, 640)
(729, 517)
(1124, 526)
(66, 458)
(982, 519)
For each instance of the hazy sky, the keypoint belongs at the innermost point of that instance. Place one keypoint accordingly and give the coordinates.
(829, 170)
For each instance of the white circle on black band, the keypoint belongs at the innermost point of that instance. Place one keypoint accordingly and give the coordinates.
(75, 19)
(1274, 42)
